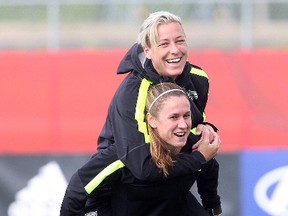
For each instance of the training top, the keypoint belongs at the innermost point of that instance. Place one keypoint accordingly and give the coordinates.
(123, 143)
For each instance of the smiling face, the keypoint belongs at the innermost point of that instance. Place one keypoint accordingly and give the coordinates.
(173, 122)
(170, 53)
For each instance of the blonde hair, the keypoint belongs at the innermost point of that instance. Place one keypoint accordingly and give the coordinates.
(148, 34)
(161, 151)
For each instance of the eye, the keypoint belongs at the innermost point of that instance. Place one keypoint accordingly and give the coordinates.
(174, 117)
(180, 41)
(164, 44)
(188, 115)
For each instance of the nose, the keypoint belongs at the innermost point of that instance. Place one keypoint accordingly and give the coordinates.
(183, 123)
(174, 48)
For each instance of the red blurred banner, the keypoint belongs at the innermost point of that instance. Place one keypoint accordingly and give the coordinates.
(56, 102)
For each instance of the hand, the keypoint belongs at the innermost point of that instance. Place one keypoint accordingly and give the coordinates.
(199, 129)
(208, 149)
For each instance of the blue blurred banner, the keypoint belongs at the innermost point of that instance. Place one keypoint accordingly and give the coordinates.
(264, 183)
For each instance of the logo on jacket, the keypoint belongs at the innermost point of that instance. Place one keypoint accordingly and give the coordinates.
(271, 192)
(192, 95)
(92, 213)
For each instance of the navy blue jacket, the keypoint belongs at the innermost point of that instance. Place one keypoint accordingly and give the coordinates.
(123, 144)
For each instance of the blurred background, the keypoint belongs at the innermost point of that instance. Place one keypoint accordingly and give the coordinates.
(60, 24)
(58, 61)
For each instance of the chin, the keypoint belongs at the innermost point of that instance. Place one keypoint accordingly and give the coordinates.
(180, 145)
(178, 72)
(175, 74)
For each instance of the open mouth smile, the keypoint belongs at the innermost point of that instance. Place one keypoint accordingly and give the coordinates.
(180, 134)
(175, 60)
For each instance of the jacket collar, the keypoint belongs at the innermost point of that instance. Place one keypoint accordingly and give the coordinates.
(135, 60)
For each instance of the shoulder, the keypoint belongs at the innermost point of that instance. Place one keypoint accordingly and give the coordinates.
(198, 71)
(131, 90)
(200, 81)
(198, 77)
(128, 87)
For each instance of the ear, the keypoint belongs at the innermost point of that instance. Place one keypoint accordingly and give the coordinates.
(147, 52)
(151, 120)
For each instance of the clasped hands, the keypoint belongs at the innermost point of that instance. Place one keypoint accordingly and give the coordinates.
(209, 143)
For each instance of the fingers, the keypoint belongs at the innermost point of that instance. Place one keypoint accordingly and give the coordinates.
(201, 127)
(208, 148)
(216, 140)
(195, 146)
(204, 138)
(209, 143)
(216, 143)
(206, 135)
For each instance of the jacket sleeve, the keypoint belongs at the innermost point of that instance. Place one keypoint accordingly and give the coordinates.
(130, 143)
(74, 199)
(76, 196)
(207, 184)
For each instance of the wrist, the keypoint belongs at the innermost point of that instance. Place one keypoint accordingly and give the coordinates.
(216, 211)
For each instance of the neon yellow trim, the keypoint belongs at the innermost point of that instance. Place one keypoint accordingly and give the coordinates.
(202, 73)
(198, 72)
(102, 175)
(193, 130)
(142, 127)
(140, 109)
